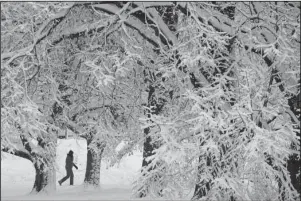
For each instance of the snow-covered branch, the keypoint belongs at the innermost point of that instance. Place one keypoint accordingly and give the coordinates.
(20, 153)
(43, 31)
(160, 24)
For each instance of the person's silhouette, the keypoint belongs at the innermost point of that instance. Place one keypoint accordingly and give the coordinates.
(69, 165)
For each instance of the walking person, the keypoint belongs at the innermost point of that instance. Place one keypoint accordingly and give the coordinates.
(69, 165)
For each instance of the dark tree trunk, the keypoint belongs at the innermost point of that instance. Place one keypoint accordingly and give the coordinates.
(293, 164)
(149, 144)
(41, 178)
(202, 187)
(148, 148)
(45, 178)
(94, 155)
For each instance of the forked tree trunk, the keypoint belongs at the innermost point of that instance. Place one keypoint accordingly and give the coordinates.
(94, 156)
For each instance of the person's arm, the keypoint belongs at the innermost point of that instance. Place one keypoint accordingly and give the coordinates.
(75, 166)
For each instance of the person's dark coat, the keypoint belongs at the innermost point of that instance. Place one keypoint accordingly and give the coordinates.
(69, 161)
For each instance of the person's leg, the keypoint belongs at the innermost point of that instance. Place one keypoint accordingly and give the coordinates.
(66, 177)
(71, 177)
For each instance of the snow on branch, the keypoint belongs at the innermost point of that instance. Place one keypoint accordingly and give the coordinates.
(130, 22)
(97, 26)
(207, 17)
(89, 110)
(107, 8)
(39, 35)
(160, 23)
(154, 4)
(126, 149)
(20, 153)
(289, 111)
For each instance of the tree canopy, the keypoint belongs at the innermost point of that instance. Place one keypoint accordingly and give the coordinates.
(210, 90)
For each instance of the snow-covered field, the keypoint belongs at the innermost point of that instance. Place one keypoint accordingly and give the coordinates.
(17, 176)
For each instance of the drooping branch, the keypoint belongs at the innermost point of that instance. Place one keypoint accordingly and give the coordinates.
(25, 152)
(22, 154)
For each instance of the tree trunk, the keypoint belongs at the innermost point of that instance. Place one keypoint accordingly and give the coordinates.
(44, 179)
(44, 164)
(94, 155)
(149, 146)
(40, 179)
(293, 166)
(293, 163)
(202, 187)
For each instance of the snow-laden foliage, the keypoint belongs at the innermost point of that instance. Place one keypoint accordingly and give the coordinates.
(26, 90)
(207, 87)
(238, 130)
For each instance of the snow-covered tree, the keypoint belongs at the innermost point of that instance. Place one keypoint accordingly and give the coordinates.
(205, 54)
(212, 53)
(27, 130)
(98, 95)
(212, 86)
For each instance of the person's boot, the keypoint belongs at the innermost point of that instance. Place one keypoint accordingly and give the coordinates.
(60, 183)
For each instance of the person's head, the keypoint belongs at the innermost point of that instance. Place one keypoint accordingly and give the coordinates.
(70, 153)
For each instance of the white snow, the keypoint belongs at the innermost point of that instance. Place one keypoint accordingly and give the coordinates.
(17, 176)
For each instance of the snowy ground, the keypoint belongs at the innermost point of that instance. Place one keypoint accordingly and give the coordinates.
(17, 176)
